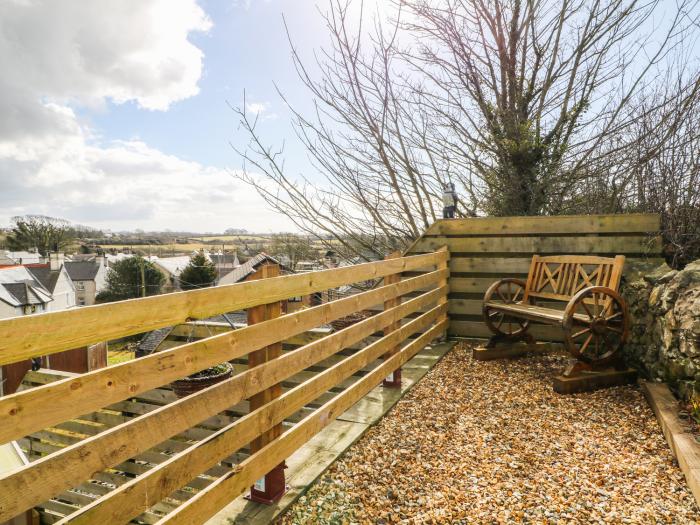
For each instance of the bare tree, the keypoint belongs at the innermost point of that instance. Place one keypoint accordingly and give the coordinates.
(295, 247)
(39, 232)
(521, 101)
(666, 178)
(528, 91)
(379, 188)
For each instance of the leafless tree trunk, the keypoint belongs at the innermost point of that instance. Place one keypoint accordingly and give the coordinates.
(520, 101)
(529, 91)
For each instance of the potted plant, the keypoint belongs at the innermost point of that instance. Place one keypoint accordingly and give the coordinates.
(202, 379)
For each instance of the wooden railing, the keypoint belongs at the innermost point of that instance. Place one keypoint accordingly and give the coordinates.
(415, 313)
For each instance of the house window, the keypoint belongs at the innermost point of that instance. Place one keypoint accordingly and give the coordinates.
(81, 301)
(80, 285)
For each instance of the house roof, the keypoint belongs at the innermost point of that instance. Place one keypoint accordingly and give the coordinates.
(47, 277)
(83, 257)
(152, 340)
(82, 270)
(250, 267)
(22, 257)
(19, 287)
(24, 293)
(173, 265)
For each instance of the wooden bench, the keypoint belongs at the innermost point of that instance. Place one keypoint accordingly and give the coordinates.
(595, 319)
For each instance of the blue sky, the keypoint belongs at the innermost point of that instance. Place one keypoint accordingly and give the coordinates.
(115, 112)
(246, 49)
(118, 113)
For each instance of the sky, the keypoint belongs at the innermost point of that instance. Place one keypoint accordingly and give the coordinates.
(116, 114)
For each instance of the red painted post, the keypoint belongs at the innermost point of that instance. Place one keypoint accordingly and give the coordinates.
(271, 487)
(393, 380)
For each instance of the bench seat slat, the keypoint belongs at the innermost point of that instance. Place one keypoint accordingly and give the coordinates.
(532, 312)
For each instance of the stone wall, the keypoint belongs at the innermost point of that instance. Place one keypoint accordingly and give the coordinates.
(664, 343)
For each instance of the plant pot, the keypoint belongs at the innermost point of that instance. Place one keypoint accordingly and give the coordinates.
(189, 385)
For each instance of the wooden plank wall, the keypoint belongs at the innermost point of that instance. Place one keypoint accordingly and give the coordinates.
(483, 250)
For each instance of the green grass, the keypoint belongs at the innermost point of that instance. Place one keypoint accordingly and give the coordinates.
(119, 352)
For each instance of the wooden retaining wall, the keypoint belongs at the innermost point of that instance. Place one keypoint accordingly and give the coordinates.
(483, 250)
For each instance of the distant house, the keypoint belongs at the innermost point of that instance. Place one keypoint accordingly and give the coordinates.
(171, 268)
(35, 288)
(54, 277)
(111, 258)
(21, 293)
(89, 278)
(160, 339)
(224, 262)
(9, 258)
(249, 267)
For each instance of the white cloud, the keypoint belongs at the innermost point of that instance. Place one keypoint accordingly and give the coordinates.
(58, 56)
(87, 51)
(258, 107)
(261, 110)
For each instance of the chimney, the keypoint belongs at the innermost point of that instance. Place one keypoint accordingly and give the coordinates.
(55, 261)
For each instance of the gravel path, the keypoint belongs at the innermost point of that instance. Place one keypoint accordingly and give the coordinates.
(489, 442)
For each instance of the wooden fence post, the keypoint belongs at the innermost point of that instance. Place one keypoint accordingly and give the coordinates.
(393, 380)
(271, 487)
(445, 265)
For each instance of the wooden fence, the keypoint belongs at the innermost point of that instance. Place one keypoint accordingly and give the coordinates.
(113, 445)
(483, 250)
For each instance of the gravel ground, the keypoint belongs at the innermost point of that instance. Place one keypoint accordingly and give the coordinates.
(490, 442)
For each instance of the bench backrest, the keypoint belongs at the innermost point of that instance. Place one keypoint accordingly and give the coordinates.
(561, 277)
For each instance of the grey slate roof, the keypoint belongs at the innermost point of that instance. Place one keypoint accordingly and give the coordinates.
(23, 293)
(82, 270)
(151, 340)
(47, 277)
(250, 266)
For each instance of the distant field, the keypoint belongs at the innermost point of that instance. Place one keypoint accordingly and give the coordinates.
(230, 238)
(156, 249)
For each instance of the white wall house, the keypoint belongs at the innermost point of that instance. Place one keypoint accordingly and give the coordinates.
(35, 288)
(21, 293)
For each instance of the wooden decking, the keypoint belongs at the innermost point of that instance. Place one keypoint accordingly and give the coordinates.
(308, 463)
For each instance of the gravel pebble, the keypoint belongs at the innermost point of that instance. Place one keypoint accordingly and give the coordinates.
(490, 442)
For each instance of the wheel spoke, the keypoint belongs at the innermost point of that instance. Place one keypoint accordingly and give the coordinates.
(579, 334)
(595, 304)
(615, 329)
(500, 294)
(585, 307)
(500, 322)
(517, 293)
(585, 344)
(493, 313)
(510, 293)
(613, 316)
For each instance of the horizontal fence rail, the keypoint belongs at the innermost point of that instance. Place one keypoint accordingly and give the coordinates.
(44, 334)
(485, 249)
(169, 446)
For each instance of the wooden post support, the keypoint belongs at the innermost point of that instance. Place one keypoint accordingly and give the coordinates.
(393, 380)
(271, 487)
(444, 265)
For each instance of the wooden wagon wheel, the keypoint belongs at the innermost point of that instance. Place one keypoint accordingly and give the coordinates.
(595, 325)
(505, 291)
